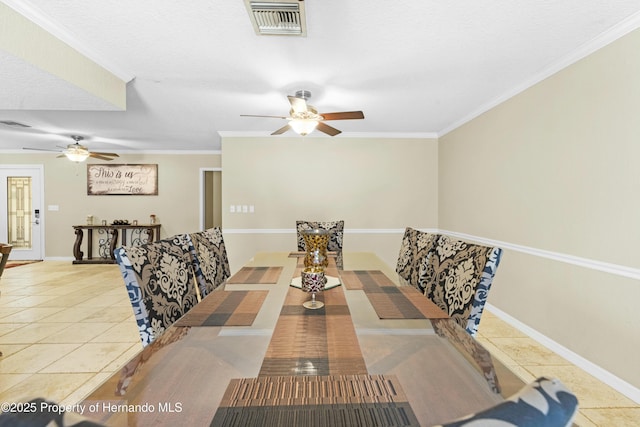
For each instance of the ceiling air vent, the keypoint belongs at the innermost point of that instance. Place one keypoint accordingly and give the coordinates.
(277, 17)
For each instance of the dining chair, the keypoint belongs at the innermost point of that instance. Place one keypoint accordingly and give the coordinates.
(336, 228)
(5, 250)
(415, 250)
(545, 402)
(160, 280)
(457, 277)
(211, 258)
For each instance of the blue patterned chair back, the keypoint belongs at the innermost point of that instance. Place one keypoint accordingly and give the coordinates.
(159, 278)
(542, 403)
(212, 263)
(457, 277)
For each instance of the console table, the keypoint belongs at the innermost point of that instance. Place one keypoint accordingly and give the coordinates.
(108, 240)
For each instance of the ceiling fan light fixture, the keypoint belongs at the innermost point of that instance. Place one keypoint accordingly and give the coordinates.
(77, 154)
(303, 126)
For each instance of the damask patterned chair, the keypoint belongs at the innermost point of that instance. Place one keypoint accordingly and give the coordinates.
(336, 228)
(5, 250)
(458, 276)
(542, 403)
(160, 280)
(211, 256)
(415, 250)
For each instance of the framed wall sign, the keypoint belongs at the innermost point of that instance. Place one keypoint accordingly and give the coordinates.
(130, 180)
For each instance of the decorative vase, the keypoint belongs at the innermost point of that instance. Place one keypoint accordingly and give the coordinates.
(316, 241)
(315, 261)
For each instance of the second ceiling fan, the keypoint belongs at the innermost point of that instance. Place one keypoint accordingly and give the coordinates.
(304, 118)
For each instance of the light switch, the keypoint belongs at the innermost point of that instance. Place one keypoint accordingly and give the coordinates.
(245, 208)
(252, 209)
(53, 207)
(232, 209)
(239, 208)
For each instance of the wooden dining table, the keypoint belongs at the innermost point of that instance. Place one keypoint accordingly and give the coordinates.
(377, 353)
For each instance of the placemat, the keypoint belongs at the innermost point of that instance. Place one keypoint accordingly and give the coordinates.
(388, 300)
(336, 400)
(225, 308)
(314, 342)
(256, 275)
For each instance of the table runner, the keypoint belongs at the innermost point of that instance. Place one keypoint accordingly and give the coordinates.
(388, 300)
(225, 308)
(256, 275)
(336, 400)
(314, 342)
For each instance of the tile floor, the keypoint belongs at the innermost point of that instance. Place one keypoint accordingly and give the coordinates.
(65, 328)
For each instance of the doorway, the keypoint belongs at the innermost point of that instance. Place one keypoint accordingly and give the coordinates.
(21, 206)
(210, 198)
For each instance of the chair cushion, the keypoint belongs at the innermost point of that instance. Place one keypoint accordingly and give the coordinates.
(543, 403)
(211, 260)
(336, 228)
(415, 250)
(160, 281)
(452, 276)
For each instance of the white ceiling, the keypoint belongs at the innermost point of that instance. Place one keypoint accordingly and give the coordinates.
(415, 67)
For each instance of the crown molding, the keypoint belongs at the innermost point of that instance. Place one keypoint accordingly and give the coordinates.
(614, 33)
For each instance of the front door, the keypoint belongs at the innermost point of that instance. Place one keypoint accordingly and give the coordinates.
(21, 210)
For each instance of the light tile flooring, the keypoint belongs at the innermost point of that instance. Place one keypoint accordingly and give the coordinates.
(65, 328)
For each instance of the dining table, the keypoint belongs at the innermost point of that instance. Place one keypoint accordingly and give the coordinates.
(377, 353)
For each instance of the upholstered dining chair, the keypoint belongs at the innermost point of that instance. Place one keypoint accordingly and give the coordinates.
(160, 280)
(336, 230)
(544, 402)
(457, 277)
(5, 250)
(211, 258)
(415, 250)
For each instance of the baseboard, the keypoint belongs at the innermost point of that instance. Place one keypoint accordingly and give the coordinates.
(603, 375)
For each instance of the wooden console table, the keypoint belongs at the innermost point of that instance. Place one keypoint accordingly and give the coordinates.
(137, 235)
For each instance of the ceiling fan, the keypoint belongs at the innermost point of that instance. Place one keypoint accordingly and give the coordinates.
(304, 118)
(77, 152)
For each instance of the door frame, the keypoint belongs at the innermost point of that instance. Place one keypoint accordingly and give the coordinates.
(38, 172)
(202, 195)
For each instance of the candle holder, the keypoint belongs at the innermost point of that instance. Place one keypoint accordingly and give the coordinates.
(313, 282)
(315, 260)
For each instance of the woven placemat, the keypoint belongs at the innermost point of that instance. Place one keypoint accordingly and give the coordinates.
(256, 275)
(388, 300)
(336, 401)
(225, 308)
(314, 342)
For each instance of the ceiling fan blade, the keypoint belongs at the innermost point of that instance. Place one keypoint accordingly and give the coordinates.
(269, 117)
(40, 149)
(323, 127)
(344, 115)
(105, 154)
(100, 156)
(298, 105)
(282, 130)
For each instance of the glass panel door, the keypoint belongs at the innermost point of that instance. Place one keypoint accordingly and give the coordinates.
(19, 212)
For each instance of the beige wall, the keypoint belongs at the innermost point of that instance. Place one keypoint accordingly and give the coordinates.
(374, 185)
(557, 168)
(176, 205)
